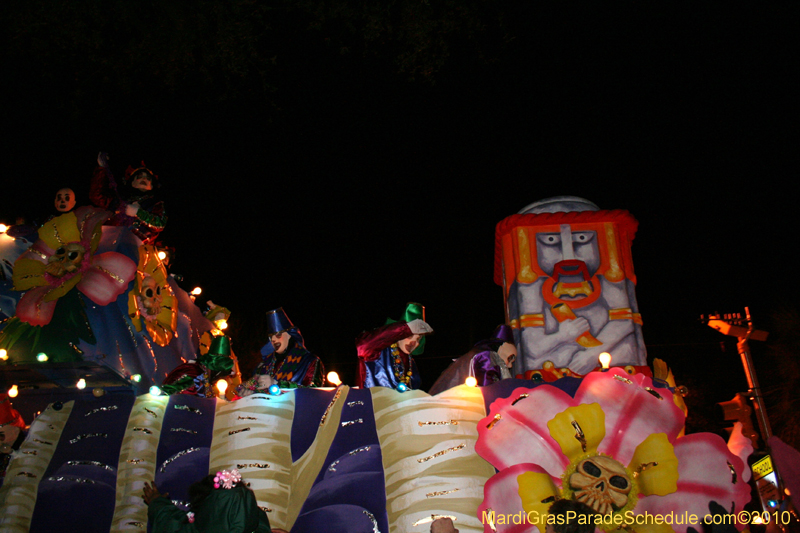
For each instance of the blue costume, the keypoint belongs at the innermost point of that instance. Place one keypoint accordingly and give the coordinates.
(382, 363)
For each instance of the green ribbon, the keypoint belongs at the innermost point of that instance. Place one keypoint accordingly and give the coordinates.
(413, 311)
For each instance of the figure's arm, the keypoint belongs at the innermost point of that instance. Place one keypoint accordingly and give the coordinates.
(155, 218)
(370, 343)
(315, 375)
(103, 188)
(162, 513)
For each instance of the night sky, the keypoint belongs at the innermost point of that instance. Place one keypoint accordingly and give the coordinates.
(337, 174)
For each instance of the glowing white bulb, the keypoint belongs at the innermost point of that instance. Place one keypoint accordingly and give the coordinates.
(196, 291)
(222, 324)
(41, 357)
(3, 354)
(605, 360)
(471, 382)
(333, 378)
(136, 378)
(81, 384)
(221, 386)
(155, 391)
(3, 228)
(162, 255)
(13, 391)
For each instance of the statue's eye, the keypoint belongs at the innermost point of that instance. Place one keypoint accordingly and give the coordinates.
(61, 251)
(148, 292)
(158, 290)
(618, 482)
(591, 469)
(72, 256)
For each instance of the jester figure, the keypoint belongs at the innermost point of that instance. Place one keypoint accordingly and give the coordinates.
(568, 280)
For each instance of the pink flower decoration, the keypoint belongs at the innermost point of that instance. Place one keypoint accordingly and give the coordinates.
(627, 419)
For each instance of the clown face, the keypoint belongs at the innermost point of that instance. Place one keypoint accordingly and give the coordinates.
(280, 341)
(142, 181)
(409, 344)
(508, 353)
(65, 200)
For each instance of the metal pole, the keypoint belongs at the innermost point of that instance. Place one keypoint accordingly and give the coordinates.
(752, 381)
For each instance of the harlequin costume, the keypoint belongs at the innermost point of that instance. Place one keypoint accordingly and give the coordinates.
(482, 362)
(199, 377)
(381, 362)
(295, 366)
(151, 217)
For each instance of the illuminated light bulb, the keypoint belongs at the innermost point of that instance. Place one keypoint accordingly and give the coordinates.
(162, 255)
(13, 391)
(274, 389)
(3, 354)
(333, 379)
(155, 391)
(136, 378)
(757, 519)
(3, 228)
(605, 360)
(222, 324)
(471, 382)
(196, 291)
(41, 357)
(402, 387)
(81, 384)
(221, 386)
(98, 392)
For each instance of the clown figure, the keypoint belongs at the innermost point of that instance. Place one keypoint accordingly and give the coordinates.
(571, 285)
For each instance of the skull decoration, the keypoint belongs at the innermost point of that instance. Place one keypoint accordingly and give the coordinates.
(601, 483)
(66, 260)
(151, 296)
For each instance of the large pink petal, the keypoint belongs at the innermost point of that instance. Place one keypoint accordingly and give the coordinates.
(501, 495)
(33, 309)
(632, 413)
(704, 470)
(107, 278)
(521, 434)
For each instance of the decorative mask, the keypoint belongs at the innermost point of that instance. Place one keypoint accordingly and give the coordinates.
(65, 200)
(601, 483)
(66, 260)
(151, 296)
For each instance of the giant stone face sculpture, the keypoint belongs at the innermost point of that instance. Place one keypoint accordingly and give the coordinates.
(568, 284)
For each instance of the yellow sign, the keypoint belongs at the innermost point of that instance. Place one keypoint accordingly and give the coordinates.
(762, 467)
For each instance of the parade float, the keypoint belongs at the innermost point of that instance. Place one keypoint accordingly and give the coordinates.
(345, 459)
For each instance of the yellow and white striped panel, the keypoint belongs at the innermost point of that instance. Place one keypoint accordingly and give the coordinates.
(253, 435)
(21, 485)
(305, 469)
(429, 459)
(137, 462)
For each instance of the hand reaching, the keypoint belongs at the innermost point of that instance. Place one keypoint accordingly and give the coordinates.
(150, 492)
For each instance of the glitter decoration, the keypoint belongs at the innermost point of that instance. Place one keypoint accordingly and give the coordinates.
(357, 402)
(88, 436)
(135, 461)
(152, 354)
(121, 363)
(42, 442)
(27, 474)
(235, 431)
(227, 479)
(73, 479)
(440, 493)
(176, 456)
(253, 465)
(520, 397)
(30, 452)
(140, 525)
(330, 406)
(439, 454)
(332, 467)
(623, 379)
(438, 423)
(654, 393)
(51, 426)
(372, 519)
(351, 422)
(90, 463)
(265, 509)
(143, 430)
(180, 503)
(246, 418)
(494, 421)
(187, 408)
(102, 410)
(359, 450)
(151, 412)
(433, 517)
(190, 431)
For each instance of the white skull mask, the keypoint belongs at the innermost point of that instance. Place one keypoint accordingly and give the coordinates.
(151, 296)
(601, 483)
(66, 260)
